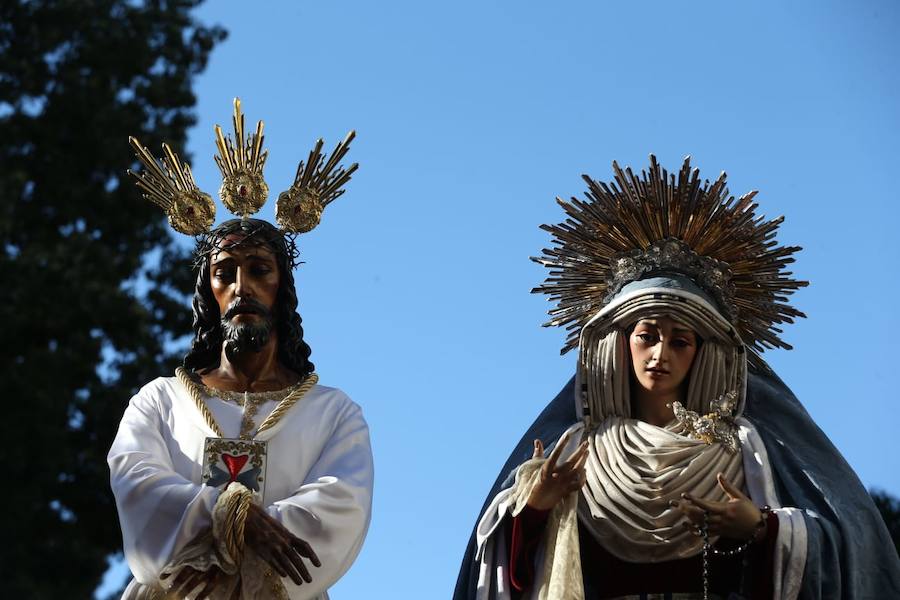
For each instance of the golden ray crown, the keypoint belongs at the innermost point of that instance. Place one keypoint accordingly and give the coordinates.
(170, 184)
(657, 223)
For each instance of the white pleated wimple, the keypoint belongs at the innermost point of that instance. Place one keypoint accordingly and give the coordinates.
(635, 468)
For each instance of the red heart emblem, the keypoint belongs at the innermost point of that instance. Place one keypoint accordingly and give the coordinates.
(234, 464)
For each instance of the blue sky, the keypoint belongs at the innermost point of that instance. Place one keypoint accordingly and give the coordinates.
(472, 117)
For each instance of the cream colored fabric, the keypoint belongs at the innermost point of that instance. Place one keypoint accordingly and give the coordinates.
(634, 470)
(604, 366)
(560, 545)
(561, 568)
(559, 560)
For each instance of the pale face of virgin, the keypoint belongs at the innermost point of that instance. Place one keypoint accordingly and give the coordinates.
(662, 352)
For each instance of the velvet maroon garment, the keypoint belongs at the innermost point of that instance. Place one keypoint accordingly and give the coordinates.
(606, 576)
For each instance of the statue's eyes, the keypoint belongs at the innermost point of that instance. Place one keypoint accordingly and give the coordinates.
(223, 274)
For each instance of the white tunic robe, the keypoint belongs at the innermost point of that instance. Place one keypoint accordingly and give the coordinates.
(318, 478)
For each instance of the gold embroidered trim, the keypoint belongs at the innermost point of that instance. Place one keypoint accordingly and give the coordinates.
(240, 398)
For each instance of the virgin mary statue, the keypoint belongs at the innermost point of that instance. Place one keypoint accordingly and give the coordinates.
(675, 464)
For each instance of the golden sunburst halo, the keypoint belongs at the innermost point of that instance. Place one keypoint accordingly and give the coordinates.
(634, 215)
(170, 184)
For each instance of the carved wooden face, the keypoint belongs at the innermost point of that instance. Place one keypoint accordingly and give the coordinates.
(244, 281)
(662, 353)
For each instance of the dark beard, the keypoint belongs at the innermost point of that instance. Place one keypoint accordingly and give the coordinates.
(246, 337)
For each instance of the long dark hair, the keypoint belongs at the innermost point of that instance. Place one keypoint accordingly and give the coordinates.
(206, 348)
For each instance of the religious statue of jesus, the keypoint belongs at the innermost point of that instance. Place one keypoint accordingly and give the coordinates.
(241, 477)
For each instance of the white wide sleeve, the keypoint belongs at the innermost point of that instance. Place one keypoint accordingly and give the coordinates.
(160, 510)
(791, 543)
(332, 507)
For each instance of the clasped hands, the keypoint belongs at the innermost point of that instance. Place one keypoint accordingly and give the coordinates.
(736, 518)
(271, 541)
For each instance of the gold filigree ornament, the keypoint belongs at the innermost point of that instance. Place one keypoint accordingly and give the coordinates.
(318, 182)
(636, 226)
(241, 161)
(170, 184)
(717, 426)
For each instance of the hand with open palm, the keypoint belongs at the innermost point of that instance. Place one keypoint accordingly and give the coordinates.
(558, 480)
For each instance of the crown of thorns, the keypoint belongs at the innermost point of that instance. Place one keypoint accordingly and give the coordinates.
(242, 233)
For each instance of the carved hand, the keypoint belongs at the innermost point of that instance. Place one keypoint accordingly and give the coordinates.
(737, 518)
(273, 543)
(557, 481)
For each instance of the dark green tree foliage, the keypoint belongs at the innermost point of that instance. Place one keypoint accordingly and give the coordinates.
(92, 301)
(889, 507)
